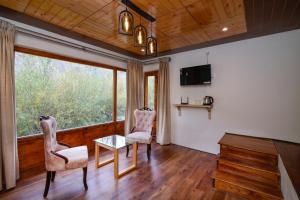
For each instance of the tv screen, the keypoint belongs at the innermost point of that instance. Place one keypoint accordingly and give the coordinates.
(198, 75)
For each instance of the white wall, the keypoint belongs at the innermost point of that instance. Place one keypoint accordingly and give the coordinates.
(26, 40)
(256, 87)
(287, 188)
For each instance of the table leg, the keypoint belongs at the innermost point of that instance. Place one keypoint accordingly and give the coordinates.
(96, 155)
(134, 156)
(130, 168)
(116, 163)
(97, 158)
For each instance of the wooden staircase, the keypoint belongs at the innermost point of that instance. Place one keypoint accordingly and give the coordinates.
(248, 166)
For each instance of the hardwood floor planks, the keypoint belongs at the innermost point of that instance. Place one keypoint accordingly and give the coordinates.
(174, 172)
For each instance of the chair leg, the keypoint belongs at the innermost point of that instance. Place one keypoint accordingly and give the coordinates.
(127, 152)
(53, 175)
(84, 178)
(148, 151)
(47, 183)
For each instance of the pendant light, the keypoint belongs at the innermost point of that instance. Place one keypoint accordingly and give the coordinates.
(126, 22)
(140, 35)
(151, 49)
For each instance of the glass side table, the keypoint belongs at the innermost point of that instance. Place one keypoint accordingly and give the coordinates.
(114, 143)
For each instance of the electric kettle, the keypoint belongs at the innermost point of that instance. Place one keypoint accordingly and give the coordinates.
(208, 100)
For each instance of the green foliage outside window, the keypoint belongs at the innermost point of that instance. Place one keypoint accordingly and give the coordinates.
(121, 95)
(75, 94)
(151, 97)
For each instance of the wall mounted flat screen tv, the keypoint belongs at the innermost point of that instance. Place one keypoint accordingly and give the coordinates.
(197, 75)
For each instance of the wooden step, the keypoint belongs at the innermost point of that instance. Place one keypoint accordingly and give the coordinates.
(259, 145)
(243, 186)
(249, 156)
(249, 170)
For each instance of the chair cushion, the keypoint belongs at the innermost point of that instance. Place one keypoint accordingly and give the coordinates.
(77, 156)
(144, 120)
(140, 137)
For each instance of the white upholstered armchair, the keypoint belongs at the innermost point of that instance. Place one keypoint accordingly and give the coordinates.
(60, 156)
(142, 131)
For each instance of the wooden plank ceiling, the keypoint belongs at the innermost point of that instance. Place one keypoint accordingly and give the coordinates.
(179, 23)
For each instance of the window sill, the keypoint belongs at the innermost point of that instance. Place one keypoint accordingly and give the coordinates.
(40, 135)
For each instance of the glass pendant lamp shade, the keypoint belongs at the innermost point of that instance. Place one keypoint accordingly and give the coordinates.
(151, 46)
(126, 22)
(140, 36)
(151, 49)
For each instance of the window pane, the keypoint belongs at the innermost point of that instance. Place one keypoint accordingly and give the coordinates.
(121, 95)
(151, 83)
(75, 94)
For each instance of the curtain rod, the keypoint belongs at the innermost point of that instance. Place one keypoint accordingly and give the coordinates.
(84, 48)
(155, 60)
(71, 44)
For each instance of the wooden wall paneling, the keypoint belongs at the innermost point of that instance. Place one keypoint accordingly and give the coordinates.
(77, 138)
(120, 128)
(94, 132)
(31, 152)
(31, 149)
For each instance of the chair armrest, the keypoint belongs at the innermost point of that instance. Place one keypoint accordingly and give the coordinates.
(61, 156)
(63, 144)
(132, 130)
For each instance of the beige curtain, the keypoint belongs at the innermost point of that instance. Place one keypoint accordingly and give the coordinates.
(163, 102)
(135, 92)
(9, 166)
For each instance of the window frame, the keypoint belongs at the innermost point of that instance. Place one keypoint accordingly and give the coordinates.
(79, 61)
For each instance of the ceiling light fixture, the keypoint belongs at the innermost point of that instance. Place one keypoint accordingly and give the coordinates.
(140, 35)
(140, 39)
(126, 22)
(151, 49)
(224, 29)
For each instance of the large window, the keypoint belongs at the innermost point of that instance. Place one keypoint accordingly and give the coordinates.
(75, 94)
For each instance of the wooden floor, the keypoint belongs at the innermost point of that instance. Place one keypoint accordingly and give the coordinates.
(174, 172)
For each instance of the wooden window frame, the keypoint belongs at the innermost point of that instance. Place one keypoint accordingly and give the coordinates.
(79, 61)
(146, 75)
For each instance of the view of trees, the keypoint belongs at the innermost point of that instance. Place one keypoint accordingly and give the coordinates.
(75, 94)
(151, 97)
(121, 95)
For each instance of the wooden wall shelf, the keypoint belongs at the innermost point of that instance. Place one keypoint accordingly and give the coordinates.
(207, 107)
